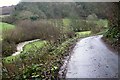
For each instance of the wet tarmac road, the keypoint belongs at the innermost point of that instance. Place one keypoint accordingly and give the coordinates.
(92, 59)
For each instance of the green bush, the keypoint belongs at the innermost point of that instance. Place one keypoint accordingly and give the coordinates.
(92, 17)
(112, 34)
(8, 48)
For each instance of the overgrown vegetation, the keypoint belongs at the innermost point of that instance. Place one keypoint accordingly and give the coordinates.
(112, 35)
(59, 39)
(42, 63)
(56, 31)
(28, 30)
(59, 36)
(33, 21)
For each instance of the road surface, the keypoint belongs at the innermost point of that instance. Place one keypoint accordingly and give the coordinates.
(21, 45)
(92, 59)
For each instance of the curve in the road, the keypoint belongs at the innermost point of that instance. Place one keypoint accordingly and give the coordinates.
(92, 59)
(21, 45)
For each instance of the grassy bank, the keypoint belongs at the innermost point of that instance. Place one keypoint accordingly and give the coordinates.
(36, 63)
(4, 27)
(33, 45)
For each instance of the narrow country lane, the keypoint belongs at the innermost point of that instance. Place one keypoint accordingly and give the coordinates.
(92, 59)
(21, 45)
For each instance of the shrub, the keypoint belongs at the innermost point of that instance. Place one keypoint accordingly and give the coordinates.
(92, 17)
(9, 19)
(8, 48)
(29, 30)
(39, 29)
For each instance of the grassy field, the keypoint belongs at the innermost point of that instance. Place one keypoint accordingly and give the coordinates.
(6, 26)
(83, 34)
(28, 47)
(100, 22)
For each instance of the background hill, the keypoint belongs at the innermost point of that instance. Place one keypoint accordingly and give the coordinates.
(46, 10)
(6, 10)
